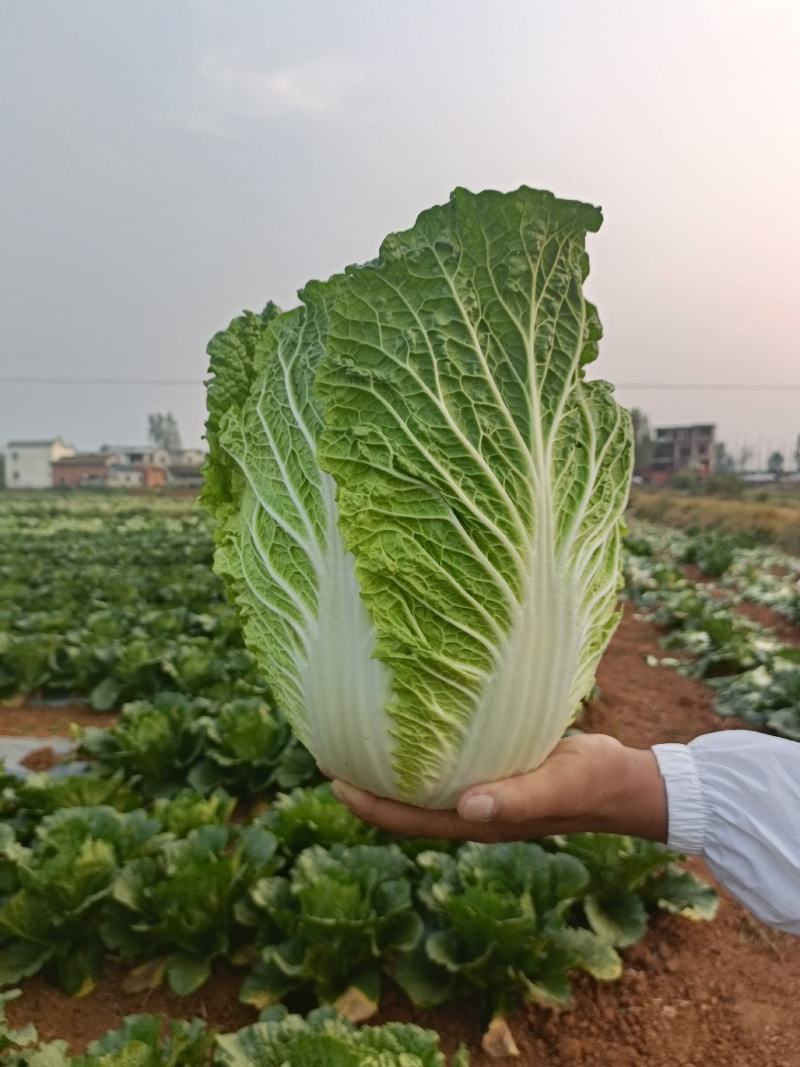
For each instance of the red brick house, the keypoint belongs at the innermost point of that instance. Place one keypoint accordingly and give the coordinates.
(83, 469)
(152, 476)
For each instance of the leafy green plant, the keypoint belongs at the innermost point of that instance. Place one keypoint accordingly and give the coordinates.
(628, 874)
(418, 493)
(140, 1042)
(41, 794)
(768, 696)
(188, 810)
(314, 816)
(53, 917)
(280, 1040)
(341, 917)
(176, 908)
(81, 614)
(153, 744)
(499, 918)
(249, 749)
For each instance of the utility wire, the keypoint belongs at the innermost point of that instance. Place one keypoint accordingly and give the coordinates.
(22, 380)
(715, 386)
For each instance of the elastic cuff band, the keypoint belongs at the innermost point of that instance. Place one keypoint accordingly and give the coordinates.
(686, 806)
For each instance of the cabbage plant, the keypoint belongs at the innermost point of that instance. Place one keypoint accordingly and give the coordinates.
(418, 495)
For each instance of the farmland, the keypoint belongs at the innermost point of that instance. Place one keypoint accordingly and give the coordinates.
(199, 867)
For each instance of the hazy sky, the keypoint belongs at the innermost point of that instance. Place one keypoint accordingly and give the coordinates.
(164, 165)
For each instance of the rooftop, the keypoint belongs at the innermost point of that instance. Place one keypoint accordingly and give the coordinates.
(132, 448)
(35, 444)
(85, 457)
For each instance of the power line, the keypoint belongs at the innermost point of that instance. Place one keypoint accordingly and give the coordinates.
(727, 386)
(22, 380)
(713, 386)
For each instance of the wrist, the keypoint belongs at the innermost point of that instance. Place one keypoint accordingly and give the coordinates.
(635, 801)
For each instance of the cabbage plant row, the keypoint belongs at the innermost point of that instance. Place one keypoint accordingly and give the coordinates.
(306, 899)
(276, 1040)
(755, 674)
(114, 601)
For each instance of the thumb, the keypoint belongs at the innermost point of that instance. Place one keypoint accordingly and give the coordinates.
(510, 800)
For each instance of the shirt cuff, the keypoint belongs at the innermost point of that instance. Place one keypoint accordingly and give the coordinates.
(687, 811)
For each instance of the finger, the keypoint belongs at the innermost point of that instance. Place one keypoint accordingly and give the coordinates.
(399, 818)
(521, 798)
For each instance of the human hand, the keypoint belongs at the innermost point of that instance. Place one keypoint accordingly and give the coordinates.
(589, 782)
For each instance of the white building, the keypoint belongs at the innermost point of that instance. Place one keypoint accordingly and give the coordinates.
(27, 463)
(149, 455)
(125, 476)
(188, 457)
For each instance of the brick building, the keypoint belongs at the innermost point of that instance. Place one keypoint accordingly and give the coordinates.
(83, 469)
(682, 448)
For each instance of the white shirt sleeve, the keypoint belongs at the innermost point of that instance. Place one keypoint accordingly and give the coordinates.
(734, 798)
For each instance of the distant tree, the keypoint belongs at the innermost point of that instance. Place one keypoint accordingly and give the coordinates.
(724, 463)
(163, 432)
(644, 445)
(797, 453)
(775, 464)
(745, 455)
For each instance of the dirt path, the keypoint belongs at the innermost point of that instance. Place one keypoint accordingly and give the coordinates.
(33, 720)
(692, 994)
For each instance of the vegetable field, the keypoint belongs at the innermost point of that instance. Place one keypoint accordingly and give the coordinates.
(186, 863)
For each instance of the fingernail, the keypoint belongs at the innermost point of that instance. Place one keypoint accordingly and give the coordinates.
(478, 808)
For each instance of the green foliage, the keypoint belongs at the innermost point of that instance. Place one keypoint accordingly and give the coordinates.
(114, 599)
(176, 908)
(154, 744)
(756, 675)
(626, 875)
(241, 746)
(249, 749)
(277, 1040)
(140, 1042)
(499, 918)
(53, 916)
(280, 1040)
(341, 916)
(768, 696)
(188, 810)
(308, 817)
(28, 800)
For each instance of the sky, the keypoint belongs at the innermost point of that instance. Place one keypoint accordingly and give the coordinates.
(166, 165)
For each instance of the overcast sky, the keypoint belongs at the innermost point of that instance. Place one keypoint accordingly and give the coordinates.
(164, 165)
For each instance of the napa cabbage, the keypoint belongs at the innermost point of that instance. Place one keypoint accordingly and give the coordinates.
(418, 495)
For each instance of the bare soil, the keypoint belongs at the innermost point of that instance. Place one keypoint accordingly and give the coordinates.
(783, 628)
(34, 720)
(725, 992)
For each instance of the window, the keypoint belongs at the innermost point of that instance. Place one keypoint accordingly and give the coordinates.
(15, 456)
(16, 476)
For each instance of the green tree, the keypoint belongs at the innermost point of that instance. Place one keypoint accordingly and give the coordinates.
(775, 464)
(724, 462)
(644, 445)
(745, 455)
(797, 453)
(162, 431)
